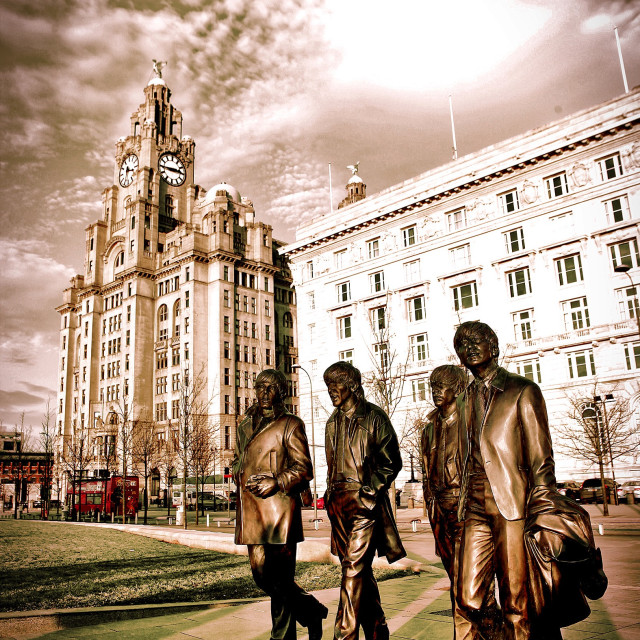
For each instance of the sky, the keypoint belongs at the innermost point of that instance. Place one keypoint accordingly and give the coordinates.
(272, 91)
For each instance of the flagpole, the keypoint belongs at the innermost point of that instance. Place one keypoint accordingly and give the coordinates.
(453, 130)
(624, 73)
(330, 191)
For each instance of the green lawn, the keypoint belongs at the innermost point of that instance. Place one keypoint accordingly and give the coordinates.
(61, 565)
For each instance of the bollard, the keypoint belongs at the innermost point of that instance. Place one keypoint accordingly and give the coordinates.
(414, 525)
(113, 517)
(601, 529)
(207, 520)
(218, 523)
(170, 520)
(136, 518)
(630, 498)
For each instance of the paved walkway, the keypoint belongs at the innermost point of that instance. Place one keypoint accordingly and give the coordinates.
(417, 606)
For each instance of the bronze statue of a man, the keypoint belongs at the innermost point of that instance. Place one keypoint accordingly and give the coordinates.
(506, 448)
(363, 459)
(271, 467)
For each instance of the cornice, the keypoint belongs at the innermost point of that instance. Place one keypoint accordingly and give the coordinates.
(510, 169)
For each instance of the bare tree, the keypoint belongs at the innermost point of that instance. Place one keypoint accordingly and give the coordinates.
(597, 432)
(193, 408)
(47, 442)
(76, 455)
(145, 455)
(126, 426)
(167, 459)
(385, 382)
(203, 452)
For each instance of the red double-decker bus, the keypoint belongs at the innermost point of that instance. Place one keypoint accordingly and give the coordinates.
(104, 495)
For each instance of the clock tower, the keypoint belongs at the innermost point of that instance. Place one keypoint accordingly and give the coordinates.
(182, 289)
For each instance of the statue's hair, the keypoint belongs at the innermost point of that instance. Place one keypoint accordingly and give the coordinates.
(277, 377)
(345, 373)
(451, 376)
(479, 329)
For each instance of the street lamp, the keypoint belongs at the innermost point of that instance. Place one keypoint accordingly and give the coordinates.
(625, 267)
(603, 402)
(313, 449)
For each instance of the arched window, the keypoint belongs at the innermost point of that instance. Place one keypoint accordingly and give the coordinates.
(287, 320)
(119, 261)
(163, 317)
(176, 319)
(168, 205)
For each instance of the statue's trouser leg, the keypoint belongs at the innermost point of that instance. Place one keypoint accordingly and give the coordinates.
(353, 526)
(492, 545)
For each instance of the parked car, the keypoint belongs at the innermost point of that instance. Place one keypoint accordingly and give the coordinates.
(37, 504)
(591, 489)
(630, 486)
(320, 502)
(569, 488)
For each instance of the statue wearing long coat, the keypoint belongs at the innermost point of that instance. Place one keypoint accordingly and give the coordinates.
(275, 446)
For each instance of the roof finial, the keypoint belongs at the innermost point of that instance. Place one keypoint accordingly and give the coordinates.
(354, 167)
(158, 65)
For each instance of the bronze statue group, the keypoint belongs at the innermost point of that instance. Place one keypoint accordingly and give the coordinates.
(489, 487)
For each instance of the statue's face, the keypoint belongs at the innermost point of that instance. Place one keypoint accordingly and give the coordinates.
(267, 393)
(339, 392)
(474, 351)
(442, 395)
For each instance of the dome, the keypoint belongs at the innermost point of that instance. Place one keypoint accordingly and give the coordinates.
(223, 186)
(354, 178)
(158, 81)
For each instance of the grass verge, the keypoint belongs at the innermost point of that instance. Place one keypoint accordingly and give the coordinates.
(59, 565)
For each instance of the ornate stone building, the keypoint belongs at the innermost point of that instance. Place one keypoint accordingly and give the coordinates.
(525, 235)
(181, 287)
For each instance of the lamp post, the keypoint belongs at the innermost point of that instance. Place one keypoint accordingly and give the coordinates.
(313, 448)
(625, 267)
(603, 402)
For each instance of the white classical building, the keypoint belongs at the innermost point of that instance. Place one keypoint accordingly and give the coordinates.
(179, 284)
(524, 235)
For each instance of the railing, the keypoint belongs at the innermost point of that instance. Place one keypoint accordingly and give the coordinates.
(597, 332)
(116, 226)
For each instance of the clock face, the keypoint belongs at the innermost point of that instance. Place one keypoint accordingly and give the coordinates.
(127, 169)
(172, 169)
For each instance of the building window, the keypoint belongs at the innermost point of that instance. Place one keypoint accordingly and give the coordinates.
(617, 209)
(419, 348)
(419, 389)
(379, 318)
(267, 356)
(456, 220)
(339, 258)
(610, 167)
(581, 364)
(519, 282)
(163, 334)
(175, 382)
(509, 201)
(226, 298)
(373, 248)
(267, 308)
(409, 236)
(309, 269)
(163, 313)
(556, 185)
(529, 369)
(625, 253)
(460, 256)
(161, 411)
(161, 385)
(569, 270)
(343, 291)
(632, 355)
(465, 296)
(226, 324)
(344, 327)
(514, 240)
(411, 271)
(161, 360)
(628, 303)
(376, 282)
(522, 324)
(311, 300)
(576, 314)
(227, 350)
(381, 352)
(416, 309)
(346, 356)
(287, 320)
(267, 331)
(175, 356)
